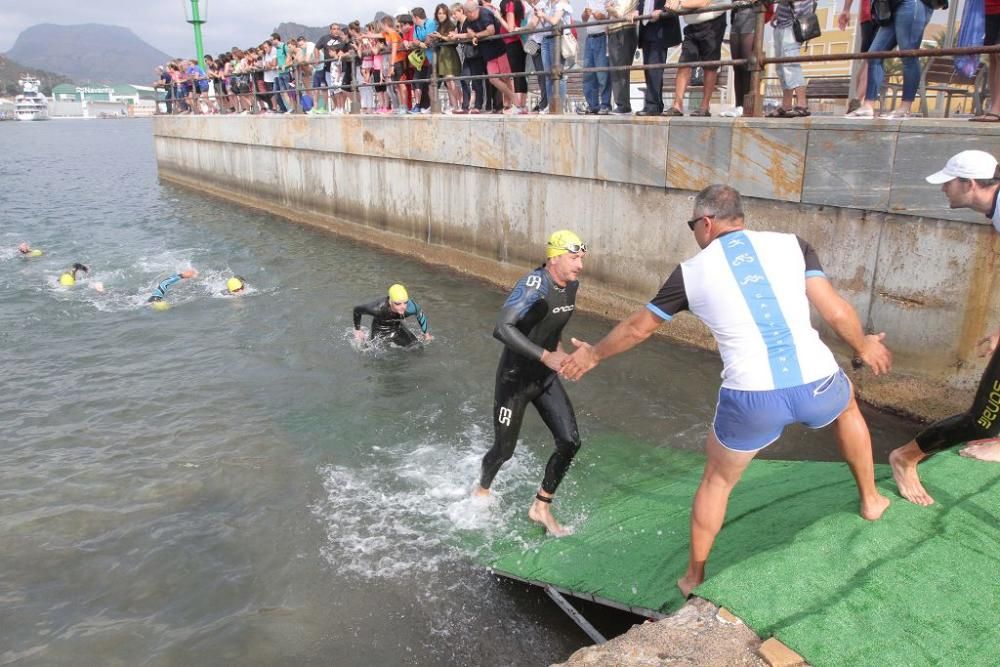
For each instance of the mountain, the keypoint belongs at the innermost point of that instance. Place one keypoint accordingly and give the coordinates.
(11, 71)
(288, 29)
(90, 53)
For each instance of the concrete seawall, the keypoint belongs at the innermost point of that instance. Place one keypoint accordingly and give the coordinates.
(481, 194)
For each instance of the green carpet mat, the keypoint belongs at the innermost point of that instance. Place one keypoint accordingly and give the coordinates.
(794, 559)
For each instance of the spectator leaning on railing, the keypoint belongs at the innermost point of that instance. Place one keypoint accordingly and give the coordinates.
(482, 23)
(793, 83)
(906, 28)
(596, 85)
(866, 24)
(622, 44)
(703, 35)
(657, 33)
(992, 38)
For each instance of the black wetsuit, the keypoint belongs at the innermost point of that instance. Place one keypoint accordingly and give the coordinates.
(531, 321)
(388, 325)
(981, 421)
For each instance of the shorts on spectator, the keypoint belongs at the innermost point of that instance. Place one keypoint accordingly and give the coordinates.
(398, 70)
(743, 21)
(703, 41)
(992, 30)
(517, 59)
(748, 421)
(377, 79)
(330, 82)
(499, 65)
(319, 79)
(785, 45)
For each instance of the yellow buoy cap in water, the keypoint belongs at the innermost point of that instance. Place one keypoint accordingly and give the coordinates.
(67, 280)
(160, 305)
(398, 294)
(36, 253)
(234, 285)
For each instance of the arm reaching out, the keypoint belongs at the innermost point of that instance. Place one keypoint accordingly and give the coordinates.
(631, 331)
(843, 319)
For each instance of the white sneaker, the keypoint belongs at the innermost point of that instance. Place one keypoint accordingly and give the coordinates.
(899, 113)
(732, 113)
(861, 112)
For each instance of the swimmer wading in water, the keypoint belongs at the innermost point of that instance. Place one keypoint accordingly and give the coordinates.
(530, 325)
(387, 318)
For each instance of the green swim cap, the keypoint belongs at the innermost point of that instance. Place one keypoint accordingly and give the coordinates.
(398, 294)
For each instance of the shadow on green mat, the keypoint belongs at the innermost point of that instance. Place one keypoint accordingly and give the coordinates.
(794, 559)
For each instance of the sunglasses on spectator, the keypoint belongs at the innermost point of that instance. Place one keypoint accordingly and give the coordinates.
(694, 221)
(571, 247)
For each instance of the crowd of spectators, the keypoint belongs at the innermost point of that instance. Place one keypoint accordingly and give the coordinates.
(392, 62)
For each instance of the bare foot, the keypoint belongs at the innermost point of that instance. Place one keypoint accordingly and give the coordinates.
(541, 514)
(904, 471)
(688, 583)
(873, 510)
(983, 450)
(481, 492)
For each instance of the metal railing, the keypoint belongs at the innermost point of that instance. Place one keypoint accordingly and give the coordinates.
(756, 63)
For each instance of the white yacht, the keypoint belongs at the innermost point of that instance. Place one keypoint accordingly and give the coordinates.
(31, 104)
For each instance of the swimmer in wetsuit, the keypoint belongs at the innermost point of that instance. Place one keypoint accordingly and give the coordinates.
(161, 290)
(26, 250)
(236, 285)
(68, 277)
(387, 318)
(530, 325)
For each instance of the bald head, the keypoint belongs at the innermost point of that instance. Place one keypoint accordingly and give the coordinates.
(472, 9)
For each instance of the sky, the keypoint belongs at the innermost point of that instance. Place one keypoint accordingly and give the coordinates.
(162, 22)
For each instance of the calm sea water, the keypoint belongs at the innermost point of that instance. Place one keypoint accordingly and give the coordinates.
(231, 481)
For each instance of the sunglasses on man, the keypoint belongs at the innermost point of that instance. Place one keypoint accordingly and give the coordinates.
(694, 221)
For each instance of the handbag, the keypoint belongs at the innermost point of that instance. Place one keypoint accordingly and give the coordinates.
(531, 47)
(568, 45)
(805, 27)
(972, 32)
(882, 12)
(417, 59)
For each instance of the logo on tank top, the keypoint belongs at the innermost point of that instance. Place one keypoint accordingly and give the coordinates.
(564, 309)
(505, 415)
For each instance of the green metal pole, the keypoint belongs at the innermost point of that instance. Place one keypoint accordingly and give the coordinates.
(196, 22)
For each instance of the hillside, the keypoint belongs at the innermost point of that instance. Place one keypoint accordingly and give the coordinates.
(10, 71)
(89, 53)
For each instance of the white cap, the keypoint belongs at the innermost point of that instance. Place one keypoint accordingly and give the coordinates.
(967, 164)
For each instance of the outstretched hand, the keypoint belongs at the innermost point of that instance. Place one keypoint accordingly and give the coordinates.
(875, 354)
(553, 360)
(189, 273)
(580, 362)
(359, 335)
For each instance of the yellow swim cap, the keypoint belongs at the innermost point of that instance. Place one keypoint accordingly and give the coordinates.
(234, 285)
(398, 294)
(562, 242)
(36, 253)
(160, 305)
(67, 280)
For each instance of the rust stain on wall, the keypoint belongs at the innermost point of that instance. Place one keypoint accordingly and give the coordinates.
(982, 286)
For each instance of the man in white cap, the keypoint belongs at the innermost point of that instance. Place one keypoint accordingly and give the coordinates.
(969, 180)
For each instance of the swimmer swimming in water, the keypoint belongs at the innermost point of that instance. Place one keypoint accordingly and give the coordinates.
(236, 285)
(156, 300)
(27, 251)
(387, 318)
(68, 277)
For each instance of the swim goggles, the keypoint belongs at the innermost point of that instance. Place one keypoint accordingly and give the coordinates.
(570, 247)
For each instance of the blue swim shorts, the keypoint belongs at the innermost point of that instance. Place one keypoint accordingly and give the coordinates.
(748, 421)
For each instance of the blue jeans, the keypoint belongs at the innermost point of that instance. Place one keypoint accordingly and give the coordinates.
(906, 30)
(548, 59)
(596, 84)
(281, 83)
